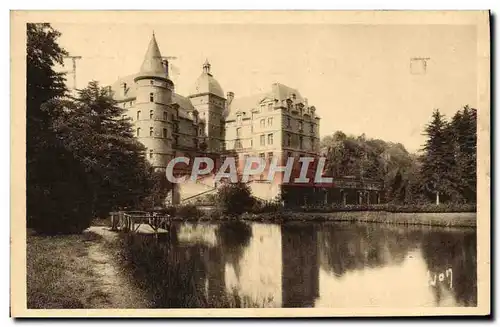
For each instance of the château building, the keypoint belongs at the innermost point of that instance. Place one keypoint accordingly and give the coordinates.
(279, 123)
(207, 122)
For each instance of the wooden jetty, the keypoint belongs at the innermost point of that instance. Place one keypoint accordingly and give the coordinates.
(140, 222)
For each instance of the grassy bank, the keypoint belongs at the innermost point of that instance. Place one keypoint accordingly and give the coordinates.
(430, 219)
(77, 272)
(442, 215)
(59, 274)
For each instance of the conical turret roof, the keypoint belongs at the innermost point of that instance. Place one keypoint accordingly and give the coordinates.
(153, 64)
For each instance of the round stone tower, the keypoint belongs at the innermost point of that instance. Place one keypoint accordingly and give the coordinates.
(153, 107)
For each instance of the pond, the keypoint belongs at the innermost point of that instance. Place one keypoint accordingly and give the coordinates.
(328, 264)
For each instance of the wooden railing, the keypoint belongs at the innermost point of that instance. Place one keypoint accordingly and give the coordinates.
(131, 221)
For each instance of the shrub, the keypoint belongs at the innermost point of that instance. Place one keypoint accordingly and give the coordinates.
(235, 198)
(267, 207)
(187, 211)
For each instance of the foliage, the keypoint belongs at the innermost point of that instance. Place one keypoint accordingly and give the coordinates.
(234, 198)
(187, 211)
(448, 168)
(375, 159)
(158, 190)
(267, 206)
(57, 194)
(82, 157)
(444, 172)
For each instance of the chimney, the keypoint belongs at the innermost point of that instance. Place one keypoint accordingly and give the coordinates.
(230, 97)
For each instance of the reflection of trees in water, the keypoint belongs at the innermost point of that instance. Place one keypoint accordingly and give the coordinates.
(202, 267)
(350, 247)
(234, 237)
(456, 250)
(300, 269)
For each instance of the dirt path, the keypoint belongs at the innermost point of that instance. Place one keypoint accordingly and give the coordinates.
(116, 284)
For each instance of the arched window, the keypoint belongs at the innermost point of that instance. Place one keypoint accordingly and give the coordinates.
(164, 133)
(151, 131)
(138, 114)
(138, 131)
(151, 114)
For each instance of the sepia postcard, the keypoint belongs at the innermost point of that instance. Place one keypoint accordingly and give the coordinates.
(250, 163)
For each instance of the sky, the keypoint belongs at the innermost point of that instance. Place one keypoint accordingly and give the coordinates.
(359, 77)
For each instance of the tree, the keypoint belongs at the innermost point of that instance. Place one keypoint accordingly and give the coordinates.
(438, 161)
(235, 198)
(55, 187)
(92, 128)
(464, 130)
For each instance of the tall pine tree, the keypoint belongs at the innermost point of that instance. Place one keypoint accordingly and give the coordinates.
(464, 129)
(438, 161)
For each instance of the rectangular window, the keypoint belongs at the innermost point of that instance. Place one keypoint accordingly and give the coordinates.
(300, 126)
(138, 131)
(151, 97)
(151, 114)
(270, 156)
(151, 132)
(138, 114)
(269, 121)
(262, 139)
(288, 139)
(312, 128)
(165, 115)
(270, 139)
(195, 142)
(239, 119)
(288, 122)
(262, 155)
(262, 123)
(165, 133)
(150, 154)
(301, 141)
(176, 140)
(238, 132)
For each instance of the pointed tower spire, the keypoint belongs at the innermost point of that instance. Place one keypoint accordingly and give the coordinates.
(206, 67)
(152, 63)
